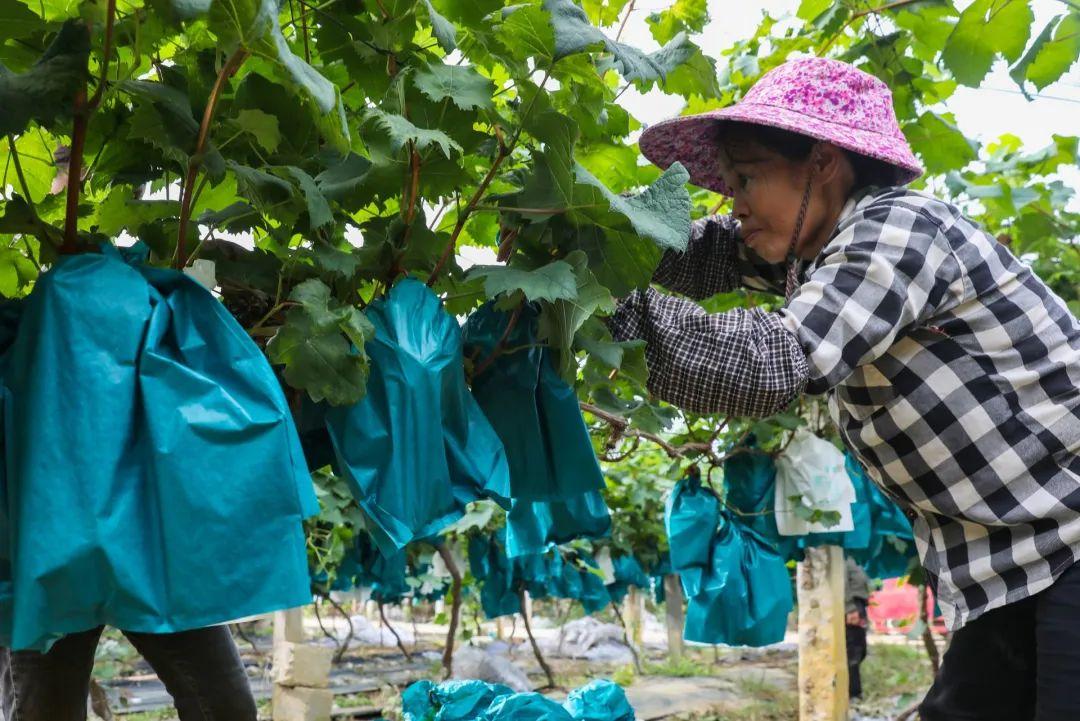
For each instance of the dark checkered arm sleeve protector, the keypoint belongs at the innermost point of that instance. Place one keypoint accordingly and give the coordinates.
(742, 362)
(717, 261)
(888, 270)
(709, 265)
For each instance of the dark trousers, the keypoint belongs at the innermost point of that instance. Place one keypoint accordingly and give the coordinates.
(1020, 662)
(856, 653)
(201, 669)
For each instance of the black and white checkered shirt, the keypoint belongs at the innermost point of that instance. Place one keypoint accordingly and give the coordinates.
(953, 373)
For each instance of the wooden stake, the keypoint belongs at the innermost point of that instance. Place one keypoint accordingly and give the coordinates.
(823, 672)
(675, 615)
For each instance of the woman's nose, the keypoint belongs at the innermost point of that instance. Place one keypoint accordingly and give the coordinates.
(740, 208)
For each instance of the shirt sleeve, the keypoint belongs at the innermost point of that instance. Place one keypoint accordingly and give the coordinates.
(717, 261)
(888, 269)
(742, 362)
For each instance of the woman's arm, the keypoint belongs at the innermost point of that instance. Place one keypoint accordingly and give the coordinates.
(887, 269)
(717, 261)
(743, 362)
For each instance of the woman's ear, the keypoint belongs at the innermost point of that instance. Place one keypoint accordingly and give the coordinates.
(831, 164)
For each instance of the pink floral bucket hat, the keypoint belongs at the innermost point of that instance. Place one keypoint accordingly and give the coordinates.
(825, 99)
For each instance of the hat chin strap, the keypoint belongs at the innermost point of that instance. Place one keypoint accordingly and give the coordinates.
(792, 259)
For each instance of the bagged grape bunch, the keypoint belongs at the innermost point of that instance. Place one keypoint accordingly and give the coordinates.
(147, 444)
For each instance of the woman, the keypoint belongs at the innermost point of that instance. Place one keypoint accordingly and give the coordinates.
(952, 371)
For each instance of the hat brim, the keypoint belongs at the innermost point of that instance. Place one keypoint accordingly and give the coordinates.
(693, 141)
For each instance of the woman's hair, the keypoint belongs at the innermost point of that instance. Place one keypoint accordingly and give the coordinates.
(795, 146)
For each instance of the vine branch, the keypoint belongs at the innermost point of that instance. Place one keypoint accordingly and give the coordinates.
(621, 425)
(84, 108)
(863, 13)
(455, 609)
(505, 148)
(227, 70)
(500, 346)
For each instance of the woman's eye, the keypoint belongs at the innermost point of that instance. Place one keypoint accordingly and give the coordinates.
(743, 180)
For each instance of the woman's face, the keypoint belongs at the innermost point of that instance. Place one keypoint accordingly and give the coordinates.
(768, 193)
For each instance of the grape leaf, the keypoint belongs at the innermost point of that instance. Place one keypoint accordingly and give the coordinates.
(262, 126)
(1051, 58)
(321, 345)
(684, 16)
(940, 143)
(401, 131)
(561, 319)
(45, 93)
(660, 213)
(551, 282)
(986, 28)
(442, 28)
(465, 87)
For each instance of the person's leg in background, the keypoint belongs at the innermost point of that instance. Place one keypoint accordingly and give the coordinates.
(855, 631)
(49, 686)
(202, 671)
(988, 672)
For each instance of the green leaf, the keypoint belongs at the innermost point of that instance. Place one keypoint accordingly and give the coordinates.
(342, 179)
(261, 188)
(321, 345)
(321, 90)
(985, 29)
(442, 28)
(468, 12)
(17, 21)
(121, 211)
(242, 22)
(1055, 57)
(1018, 72)
(45, 93)
(53, 10)
(660, 213)
(684, 16)
(335, 261)
(560, 320)
(694, 76)
(171, 102)
(465, 87)
(620, 259)
(810, 9)
(628, 357)
(319, 213)
(16, 272)
(575, 34)
(526, 32)
(940, 143)
(401, 131)
(262, 126)
(554, 281)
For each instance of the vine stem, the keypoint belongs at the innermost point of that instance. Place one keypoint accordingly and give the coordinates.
(227, 70)
(352, 630)
(626, 17)
(863, 13)
(504, 151)
(84, 108)
(414, 196)
(29, 200)
(626, 638)
(673, 451)
(497, 350)
(74, 180)
(455, 609)
(400, 645)
(532, 640)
